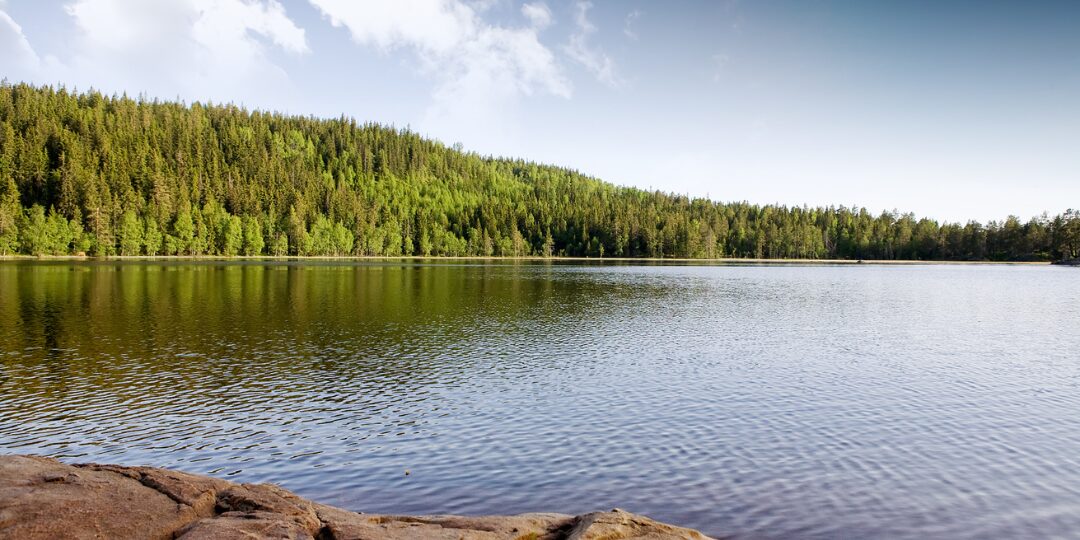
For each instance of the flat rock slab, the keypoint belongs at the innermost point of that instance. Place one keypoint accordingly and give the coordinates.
(41, 498)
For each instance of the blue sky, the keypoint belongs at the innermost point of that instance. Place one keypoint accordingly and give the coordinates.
(954, 110)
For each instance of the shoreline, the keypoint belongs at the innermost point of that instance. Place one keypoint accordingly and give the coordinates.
(42, 498)
(529, 259)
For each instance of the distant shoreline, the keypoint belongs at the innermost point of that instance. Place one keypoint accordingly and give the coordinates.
(413, 258)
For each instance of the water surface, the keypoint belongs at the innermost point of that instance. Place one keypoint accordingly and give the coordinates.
(752, 401)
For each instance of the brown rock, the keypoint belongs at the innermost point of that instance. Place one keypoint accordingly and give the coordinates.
(246, 525)
(620, 525)
(270, 499)
(41, 498)
(343, 525)
(198, 492)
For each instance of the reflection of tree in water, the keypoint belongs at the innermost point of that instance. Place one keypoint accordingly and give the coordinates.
(236, 353)
(38, 323)
(39, 310)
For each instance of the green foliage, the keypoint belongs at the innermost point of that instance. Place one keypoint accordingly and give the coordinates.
(184, 234)
(322, 240)
(33, 231)
(152, 237)
(300, 241)
(172, 245)
(133, 176)
(80, 239)
(343, 240)
(131, 234)
(253, 236)
(232, 236)
(45, 235)
(280, 247)
(9, 217)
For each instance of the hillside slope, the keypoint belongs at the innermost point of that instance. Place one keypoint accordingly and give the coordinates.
(83, 172)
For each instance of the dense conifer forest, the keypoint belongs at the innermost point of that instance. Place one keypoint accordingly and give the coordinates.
(108, 175)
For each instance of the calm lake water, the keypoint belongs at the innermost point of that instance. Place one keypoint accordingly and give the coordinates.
(751, 401)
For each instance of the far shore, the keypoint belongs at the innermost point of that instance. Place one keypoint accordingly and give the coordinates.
(346, 258)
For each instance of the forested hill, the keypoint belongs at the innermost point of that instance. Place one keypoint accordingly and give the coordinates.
(87, 173)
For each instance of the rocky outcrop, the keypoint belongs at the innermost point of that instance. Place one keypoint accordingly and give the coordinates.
(41, 498)
(1068, 262)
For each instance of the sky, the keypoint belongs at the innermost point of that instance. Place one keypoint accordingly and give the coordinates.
(954, 110)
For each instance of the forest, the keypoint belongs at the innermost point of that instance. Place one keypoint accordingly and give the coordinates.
(86, 173)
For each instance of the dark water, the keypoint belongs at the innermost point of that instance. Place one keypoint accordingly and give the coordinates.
(759, 402)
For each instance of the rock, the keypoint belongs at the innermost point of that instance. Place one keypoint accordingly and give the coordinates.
(269, 499)
(41, 498)
(342, 525)
(618, 525)
(246, 525)
(198, 492)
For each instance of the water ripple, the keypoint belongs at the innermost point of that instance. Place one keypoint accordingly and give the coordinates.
(756, 402)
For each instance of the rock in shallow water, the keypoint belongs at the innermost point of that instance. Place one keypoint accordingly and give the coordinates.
(41, 498)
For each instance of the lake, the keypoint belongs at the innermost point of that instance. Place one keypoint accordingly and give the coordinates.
(752, 401)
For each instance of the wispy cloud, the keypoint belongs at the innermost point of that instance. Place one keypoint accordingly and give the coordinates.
(581, 50)
(538, 14)
(479, 69)
(629, 25)
(18, 57)
(198, 49)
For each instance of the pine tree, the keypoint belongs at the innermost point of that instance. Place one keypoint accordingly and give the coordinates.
(9, 217)
(188, 171)
(280, 247)
(33, 231)
(233, 236)
(131, 234)
(253, 236)
(343, 240)
(184, 232)
(152, 237)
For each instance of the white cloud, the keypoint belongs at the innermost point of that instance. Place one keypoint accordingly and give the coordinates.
(538, 14)
(216, 26)
(194, 49)
(631, 20)
(225, 25)
(431, 26)
(479, 69)
(18, 56)
(583, 52)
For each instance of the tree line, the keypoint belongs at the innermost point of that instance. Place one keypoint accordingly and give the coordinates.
(111, 175)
